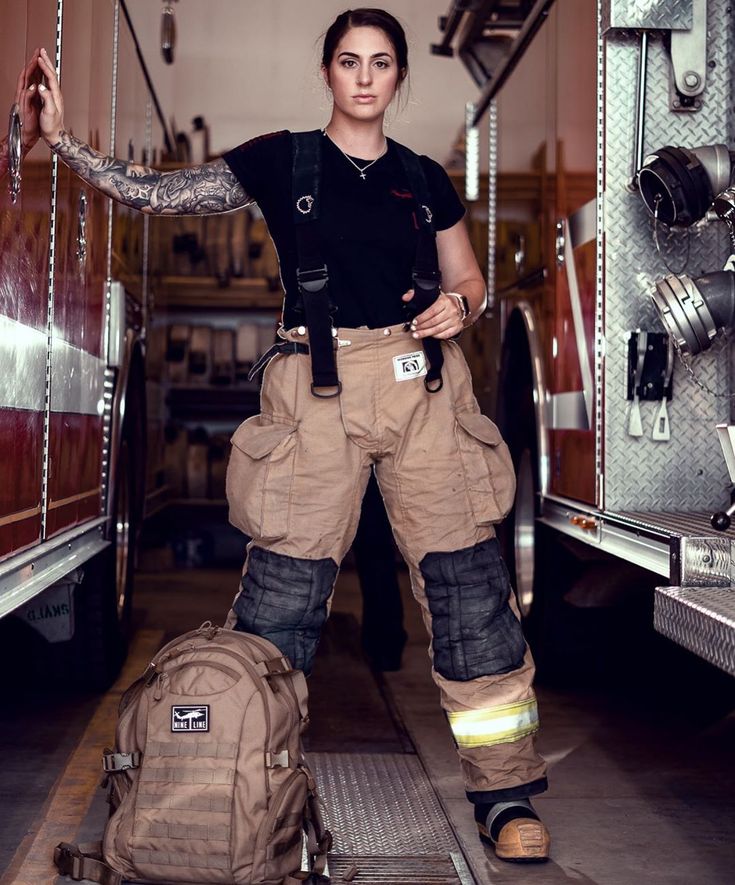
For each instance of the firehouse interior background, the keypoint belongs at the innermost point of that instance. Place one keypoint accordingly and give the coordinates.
(125, 346)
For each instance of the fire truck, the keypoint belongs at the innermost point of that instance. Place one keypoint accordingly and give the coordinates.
(73, 307)
(611, 294)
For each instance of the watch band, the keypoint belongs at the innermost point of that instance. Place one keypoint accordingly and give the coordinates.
(464, 304)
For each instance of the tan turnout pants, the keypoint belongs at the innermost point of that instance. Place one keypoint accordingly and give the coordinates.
(295, 483)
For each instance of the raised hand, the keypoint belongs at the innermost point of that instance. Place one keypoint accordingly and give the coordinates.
(25, 98)
(52, 112)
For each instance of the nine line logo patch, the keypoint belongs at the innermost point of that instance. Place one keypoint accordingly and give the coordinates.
(409, 365)
(190, 718)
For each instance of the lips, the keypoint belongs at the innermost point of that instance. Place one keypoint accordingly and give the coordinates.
(364, 97)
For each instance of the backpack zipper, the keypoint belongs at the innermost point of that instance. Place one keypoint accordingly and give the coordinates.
(158, 691)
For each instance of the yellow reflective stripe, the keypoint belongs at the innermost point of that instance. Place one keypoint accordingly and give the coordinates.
(494, 725)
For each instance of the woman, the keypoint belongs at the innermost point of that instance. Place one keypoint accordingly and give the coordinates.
(335, 408)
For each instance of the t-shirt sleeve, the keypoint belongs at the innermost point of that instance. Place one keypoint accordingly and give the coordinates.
(447, 208)
(260, 161)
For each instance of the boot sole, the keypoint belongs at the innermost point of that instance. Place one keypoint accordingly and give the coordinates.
(541, 857)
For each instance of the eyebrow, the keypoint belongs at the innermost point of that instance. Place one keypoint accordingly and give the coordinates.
(375, 55)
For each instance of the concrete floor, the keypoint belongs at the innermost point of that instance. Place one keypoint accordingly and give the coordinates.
(641, 754)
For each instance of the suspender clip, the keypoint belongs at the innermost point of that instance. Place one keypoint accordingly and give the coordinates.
(426, 280)
(312, 281)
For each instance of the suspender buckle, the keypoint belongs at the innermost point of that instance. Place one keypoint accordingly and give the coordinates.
(312, 281)
(426, 280)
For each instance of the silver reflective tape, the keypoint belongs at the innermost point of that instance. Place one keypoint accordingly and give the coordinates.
(22, 366)
(77, 380)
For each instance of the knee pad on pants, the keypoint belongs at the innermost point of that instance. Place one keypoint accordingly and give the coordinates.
(475, 632)
(284, 599)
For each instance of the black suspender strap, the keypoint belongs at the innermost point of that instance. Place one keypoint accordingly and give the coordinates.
(281, 347)
(311, 273)
(426, 273)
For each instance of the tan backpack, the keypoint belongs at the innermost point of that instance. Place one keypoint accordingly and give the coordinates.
(208, 781)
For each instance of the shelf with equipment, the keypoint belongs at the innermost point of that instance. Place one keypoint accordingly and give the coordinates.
(207, 293)
(217, 300)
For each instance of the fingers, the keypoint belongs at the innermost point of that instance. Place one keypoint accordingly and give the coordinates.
(407, 296)
(48, 69)
(53, 103)
(50, 73)
(20, 85)
(445, 329)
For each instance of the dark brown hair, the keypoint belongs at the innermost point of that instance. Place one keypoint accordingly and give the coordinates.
(367, 18)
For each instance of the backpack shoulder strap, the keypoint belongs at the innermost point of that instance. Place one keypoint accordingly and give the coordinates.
(85, 862)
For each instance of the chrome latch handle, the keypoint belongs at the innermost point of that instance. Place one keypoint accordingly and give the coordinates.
(82, 230)
(15, 152)
(560, 243)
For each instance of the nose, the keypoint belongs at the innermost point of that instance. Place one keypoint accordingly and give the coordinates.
(364, 74)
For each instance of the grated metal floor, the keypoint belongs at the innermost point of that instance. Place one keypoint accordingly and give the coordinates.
(427, 869)
(385, 818)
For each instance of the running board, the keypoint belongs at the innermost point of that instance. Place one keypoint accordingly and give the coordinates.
(702, 619)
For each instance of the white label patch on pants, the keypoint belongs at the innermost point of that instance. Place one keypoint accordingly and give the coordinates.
(409, 365)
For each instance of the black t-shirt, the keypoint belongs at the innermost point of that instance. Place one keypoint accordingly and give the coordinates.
(366, 226)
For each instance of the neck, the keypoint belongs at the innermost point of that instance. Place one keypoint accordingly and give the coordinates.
(357, 138)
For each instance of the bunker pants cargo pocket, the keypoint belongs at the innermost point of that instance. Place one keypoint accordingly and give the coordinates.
(295, 483)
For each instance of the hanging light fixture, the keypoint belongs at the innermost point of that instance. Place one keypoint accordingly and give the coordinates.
(168, 32)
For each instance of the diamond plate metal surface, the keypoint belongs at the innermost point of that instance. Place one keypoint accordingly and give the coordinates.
(435, 869)
(381, 804)
(706, 556)
(674, 14)
(676, 524)
(684, 473)
(701, 619)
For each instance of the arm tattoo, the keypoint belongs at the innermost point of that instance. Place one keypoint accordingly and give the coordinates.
(199, 190)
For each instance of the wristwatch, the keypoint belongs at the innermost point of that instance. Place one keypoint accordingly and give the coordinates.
(464, 305)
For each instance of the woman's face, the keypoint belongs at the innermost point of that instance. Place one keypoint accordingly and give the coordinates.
(363, 74)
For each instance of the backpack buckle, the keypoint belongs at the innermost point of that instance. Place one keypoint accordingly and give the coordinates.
(278, 760)
(68, 860)
(112, 762)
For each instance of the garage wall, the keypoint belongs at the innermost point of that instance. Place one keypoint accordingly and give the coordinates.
(251, 66)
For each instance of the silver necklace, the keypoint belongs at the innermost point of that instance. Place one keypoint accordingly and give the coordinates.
(360, 169)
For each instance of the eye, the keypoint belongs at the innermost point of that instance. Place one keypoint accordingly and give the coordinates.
(382, 64)
(348, 62)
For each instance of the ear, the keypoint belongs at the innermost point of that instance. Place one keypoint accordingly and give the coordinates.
(325, 75)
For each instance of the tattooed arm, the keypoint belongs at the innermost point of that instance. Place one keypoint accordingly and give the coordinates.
(197, 190)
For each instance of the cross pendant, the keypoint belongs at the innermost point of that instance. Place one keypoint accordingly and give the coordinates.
(362, 175)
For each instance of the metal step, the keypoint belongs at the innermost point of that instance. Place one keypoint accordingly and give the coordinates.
(702, 619)
(385, 817)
